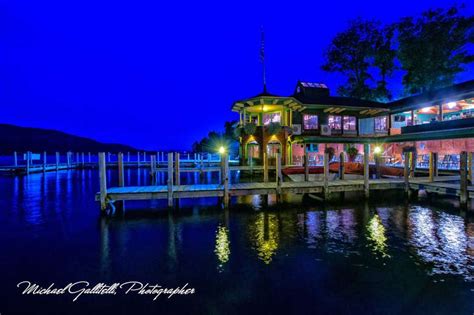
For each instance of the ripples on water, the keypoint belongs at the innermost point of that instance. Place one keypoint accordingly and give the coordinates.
(363, 238)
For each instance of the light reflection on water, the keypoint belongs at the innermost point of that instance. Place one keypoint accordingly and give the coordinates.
(206, 245)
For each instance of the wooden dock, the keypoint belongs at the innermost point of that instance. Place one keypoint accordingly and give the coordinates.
(173, 190)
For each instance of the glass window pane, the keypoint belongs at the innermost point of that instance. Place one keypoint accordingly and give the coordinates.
(271, 117)
(349, 123)
(310, 121)
(334, 122)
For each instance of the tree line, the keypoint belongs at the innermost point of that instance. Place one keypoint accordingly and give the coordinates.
(430, 49)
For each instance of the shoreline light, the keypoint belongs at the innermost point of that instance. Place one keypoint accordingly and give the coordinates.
(221, 150)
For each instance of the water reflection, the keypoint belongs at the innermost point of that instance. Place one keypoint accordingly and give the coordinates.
(264, 233)
(439, 239)
(222, 248)
(376, 236)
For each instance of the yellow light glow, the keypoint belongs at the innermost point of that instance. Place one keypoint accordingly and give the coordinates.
(426, 109)
(222, 249)
(221, 150)
(377, 150)
(376, 236)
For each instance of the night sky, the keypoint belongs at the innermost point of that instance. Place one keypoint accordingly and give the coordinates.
(162, 75)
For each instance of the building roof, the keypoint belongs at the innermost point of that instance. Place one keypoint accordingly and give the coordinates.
(436, 97)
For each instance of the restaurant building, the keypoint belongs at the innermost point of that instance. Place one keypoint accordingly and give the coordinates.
(312, 120)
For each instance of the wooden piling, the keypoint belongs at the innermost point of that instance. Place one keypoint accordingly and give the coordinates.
(15, 158)
(406, 171)
(103, 181)
(377, 159)
(128, 157)
(108, 157)
(306, 165)
(77, 159)
(144, 157)
(225, 182)
(83, 160)
(464, 180)
(176, 169)
(342, 166)
(121, 177)
(89, 159)
(469, 167)
(279, 175)
(326, 174)
(57, 161)
(45, 161)
(28, 157)
(265, 167)
(170, 179)
(433, 166)
(366, 169)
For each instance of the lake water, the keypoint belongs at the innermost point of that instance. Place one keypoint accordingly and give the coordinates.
(385, 256)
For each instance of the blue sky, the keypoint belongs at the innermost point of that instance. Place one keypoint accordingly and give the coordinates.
(162, 75)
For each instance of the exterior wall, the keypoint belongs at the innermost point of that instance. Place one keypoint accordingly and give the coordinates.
(262, 137)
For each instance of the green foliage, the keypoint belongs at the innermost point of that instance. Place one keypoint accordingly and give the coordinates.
(250, 129)
(214, 139)
(433, 48)
(274, 128)
(364, 46)
(352, 151)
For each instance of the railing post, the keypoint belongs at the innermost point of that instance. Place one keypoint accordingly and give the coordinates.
(83, 160)
(57, 161)
(15, 158)
(170, 179)
(406, 171)
(306, 165)
(138, 159)
(326, 174)
(144, 157)
(128, 157)
(176, 169)
(463, 172)
(342, 166)
(278, 176)
(44, 161)
(103, 181)
(77, 159)
(120, 170)
(366, 169)
(265, 167)
(377, 159)
(432, 165)
(469, 167)
(89, 159)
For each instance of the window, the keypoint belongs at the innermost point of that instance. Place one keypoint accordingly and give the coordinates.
(381, 123)
(349, 123)
(334, 122)
(310, 122)
(254, 119)
(271, 117)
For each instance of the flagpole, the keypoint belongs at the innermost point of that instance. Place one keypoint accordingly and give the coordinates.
(262, 57)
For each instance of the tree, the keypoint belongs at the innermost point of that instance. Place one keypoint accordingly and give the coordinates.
(364, 46)
(215, 139)
(433, 48)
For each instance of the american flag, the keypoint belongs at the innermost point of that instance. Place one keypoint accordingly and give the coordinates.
(262, 47)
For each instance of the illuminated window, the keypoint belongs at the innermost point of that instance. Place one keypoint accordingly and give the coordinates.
(334, 122)
(349, 123)
(310, 121)
(254, 119)
(381, 123)
(271, 117)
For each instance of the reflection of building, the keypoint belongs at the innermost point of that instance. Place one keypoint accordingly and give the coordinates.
(311, 118)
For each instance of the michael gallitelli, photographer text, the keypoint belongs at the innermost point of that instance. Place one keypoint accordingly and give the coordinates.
(80, 288)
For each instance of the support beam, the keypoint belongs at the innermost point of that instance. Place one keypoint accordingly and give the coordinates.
(103, 181)
(433, 166)
(366, 169)
(342, 166)
(120, 170)
(176, 169)
(265, 167)
(170, 179)
(463, 172)
(406, 171)
(306, 164)
(326, 174)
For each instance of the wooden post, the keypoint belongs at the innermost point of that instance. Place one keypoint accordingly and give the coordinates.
(406, 171)
(326, 174)
(433, 166)
(108, 157)
(103, 181)
(463, 171)
(377, 158)
(163, 156)
(44, 161)
(68, 159)
(83, 160)
(144, 157)
(138, 159)
(28, 156)
(15, 158)
(366, 169)
(120, 170)
(57, 161)
(306, 165)
(176, 169)
(342, 166)
(77, 159)
(128, 157)
(89, 157)
(225, 176)
(170, 179)
(412, 164)
(278, 176)
(265, 167)
(469, 167)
